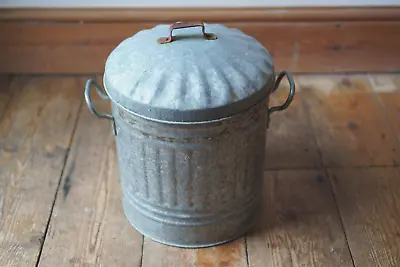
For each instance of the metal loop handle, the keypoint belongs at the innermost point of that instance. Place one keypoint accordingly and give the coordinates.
(182, 24)
(88, 99)
(291, 91)
(103, 96)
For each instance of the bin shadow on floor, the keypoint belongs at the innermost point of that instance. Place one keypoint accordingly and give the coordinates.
(297, 205)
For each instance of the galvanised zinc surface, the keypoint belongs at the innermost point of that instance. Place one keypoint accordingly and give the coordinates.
(192, 185)
(191, 78)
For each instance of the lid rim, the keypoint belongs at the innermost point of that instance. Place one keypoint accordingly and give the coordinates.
(193, 116)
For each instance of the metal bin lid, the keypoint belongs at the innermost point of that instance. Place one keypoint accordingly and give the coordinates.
(188, 72)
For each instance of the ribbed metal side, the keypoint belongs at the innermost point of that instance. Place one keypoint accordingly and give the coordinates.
(191, 185)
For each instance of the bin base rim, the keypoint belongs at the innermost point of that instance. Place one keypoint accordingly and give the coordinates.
(191, 246)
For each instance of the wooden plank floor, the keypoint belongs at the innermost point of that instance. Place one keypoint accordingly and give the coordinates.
(332, 181)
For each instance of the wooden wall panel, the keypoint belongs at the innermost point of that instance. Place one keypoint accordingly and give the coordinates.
(299, 39)
(220, 14)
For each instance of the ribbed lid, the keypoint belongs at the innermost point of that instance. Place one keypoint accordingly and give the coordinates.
(195, 77)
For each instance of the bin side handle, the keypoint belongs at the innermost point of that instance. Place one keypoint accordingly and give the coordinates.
(291, 94)
(103, 96)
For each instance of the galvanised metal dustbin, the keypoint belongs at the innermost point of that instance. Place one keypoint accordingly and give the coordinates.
(189, 113)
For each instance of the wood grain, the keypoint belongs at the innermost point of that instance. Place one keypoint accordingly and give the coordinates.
(88, 227)
(72, 33)
(300, 225)
(290, 138)
(301, 46)
(219, 14)
(232, 254)
(5, 93)
(35, 134)
(387, 89)
(356, 122)
(62, 59)
(349, 125)
(369, 200)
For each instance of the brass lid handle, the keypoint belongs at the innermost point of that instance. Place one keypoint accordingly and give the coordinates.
(187, 24)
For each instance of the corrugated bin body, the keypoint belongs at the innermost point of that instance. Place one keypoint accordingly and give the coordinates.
(190, 113)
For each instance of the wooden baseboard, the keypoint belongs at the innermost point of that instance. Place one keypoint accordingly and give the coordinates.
(300, 39)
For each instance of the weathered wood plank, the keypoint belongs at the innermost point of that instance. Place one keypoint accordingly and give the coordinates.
(369, 202)
(387, 88)
(232, 254)
(88, 227)
(35, 134)
(300, 225)
(290, 138)
(349, 124)
(5, 93)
